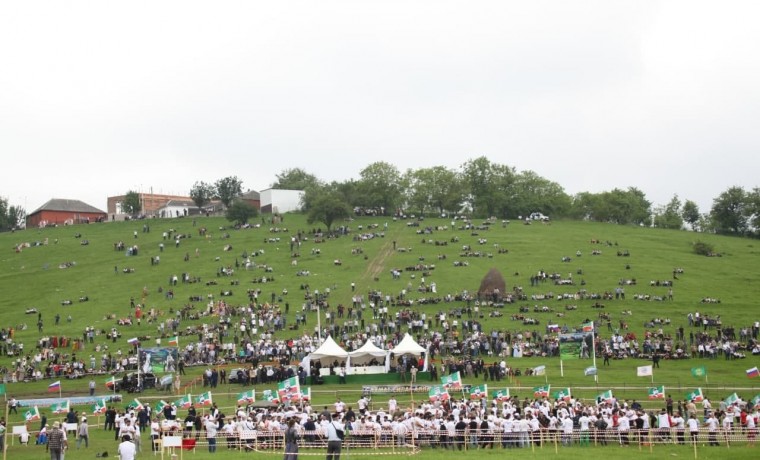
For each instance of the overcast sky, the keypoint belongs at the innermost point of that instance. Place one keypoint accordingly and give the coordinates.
(100, 97)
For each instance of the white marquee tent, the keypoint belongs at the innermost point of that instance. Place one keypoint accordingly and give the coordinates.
(327, 353)
(408, 346)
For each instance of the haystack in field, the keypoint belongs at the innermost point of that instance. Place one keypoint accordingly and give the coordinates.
(493, 285)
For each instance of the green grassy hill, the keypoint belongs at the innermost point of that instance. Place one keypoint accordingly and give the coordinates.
(56, 267)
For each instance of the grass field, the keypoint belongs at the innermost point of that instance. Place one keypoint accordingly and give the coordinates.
(32, 278)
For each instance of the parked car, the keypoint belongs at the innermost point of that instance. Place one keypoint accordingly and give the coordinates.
(130, 383)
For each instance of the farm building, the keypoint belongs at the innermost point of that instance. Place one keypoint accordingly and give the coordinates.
(59, 211)
(178, 208)
(280, 201)
(149, 202)
(253, 198)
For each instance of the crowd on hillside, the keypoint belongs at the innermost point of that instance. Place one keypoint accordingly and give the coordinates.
(214, 330)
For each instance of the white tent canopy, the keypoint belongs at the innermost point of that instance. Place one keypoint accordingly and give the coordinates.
(328, 352)
(366, 353)
(408, 346)
(329, 349)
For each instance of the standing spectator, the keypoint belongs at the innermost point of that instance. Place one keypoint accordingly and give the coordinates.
(291, 441)
(56, 442)
(211, 428)
(83, 433)
(127, 449)
(333, 430)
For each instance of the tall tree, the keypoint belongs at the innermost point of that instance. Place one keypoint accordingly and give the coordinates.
(690, 214)
(436, 188)
(728, 212)
(326, 206)
(488, 186)
(132, 204)
(202, 193)
(295, 179)
(669, 216)
(11, 217)
(240, 211)
(533, 193)
(228, 189)
(381, 187)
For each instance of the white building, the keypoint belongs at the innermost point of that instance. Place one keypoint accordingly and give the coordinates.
(280, 201)
(178, 208)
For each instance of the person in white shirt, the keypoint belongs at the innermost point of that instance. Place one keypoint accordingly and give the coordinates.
(567, 431)
(334, 440)
(584, 421)
(680, 424)
(624, 427)
(751, 429)
(127, 449)
(712, 430)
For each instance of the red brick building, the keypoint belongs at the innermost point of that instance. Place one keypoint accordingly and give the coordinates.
(149, 202)
(64, 212)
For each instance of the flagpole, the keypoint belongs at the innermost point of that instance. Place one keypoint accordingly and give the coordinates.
(593, 349)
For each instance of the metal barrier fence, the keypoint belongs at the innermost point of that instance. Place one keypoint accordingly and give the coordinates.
(411, 441)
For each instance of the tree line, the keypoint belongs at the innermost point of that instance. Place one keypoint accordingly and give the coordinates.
(482, 188)
(478, 188)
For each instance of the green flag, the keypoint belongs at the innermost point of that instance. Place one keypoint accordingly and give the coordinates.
(501, 395)
(540, 392)
(699, 371)
(605, 397)
(695, 395)
(563, 394)
(657, 392)
(2, 389)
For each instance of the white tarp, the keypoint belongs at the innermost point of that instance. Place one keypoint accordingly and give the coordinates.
(328, 352)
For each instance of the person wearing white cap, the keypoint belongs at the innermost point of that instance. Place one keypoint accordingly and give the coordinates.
(83, 433)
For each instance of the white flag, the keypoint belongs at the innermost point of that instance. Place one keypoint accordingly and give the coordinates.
(644, 371)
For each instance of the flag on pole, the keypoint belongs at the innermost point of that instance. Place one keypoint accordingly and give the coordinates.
(542, 391)
(754, 372)
(644, 371)
(695, 395)
(289, 389)
(756, 401)
(479, 391)
(60, 407)
(270, 396)
(501, 395)
(55, 386)
(172, 341)
(2, 389)
(134, 341)
(136, 405)
(699, 371)
(590, 371)
(605, 396)
(184, 402)
(452, 381)
(100, 407)
(732, 399)
(247, 397)
(588, 327)
(111, 383)
(306, 394)
(204, 399)
(539, 370)
(32, 414)
(657, 392)
(160, 406)
(438, 393)
(563, 394)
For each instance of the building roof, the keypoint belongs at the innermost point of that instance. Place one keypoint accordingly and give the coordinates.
(251, 195)
(187, 203)
(64, 205)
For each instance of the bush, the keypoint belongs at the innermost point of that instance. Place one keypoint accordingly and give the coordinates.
(703, 249)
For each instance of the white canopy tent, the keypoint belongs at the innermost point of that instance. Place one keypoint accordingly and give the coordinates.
(408, 346)
(367, 353)
(326, 354)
